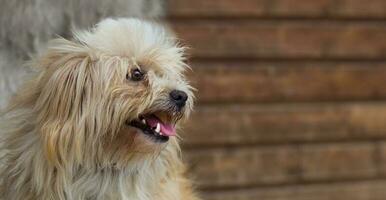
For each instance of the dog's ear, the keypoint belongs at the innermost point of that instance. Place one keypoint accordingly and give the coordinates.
(65, 85)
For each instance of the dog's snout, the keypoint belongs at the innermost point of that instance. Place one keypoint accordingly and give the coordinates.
(178, 97)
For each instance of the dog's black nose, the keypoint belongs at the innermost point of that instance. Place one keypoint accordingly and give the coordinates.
(178, 97)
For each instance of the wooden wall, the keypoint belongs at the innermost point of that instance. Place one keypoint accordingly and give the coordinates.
(291, 98)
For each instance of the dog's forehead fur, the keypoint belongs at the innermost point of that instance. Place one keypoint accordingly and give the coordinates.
(141, 41)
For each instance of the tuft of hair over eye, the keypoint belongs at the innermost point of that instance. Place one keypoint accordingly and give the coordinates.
(135, 75)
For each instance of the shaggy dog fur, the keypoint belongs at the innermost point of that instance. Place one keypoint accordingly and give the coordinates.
(27, 25)
(69, 133)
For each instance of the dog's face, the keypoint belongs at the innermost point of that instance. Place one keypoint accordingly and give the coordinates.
(115, 95)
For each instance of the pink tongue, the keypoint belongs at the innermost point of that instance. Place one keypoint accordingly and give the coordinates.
(166, 129)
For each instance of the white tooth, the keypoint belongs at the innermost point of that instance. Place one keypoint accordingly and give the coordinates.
(144, 121)
(160, 133)
(158, 128)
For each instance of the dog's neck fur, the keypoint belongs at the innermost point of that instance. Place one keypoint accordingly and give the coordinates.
(27, 174)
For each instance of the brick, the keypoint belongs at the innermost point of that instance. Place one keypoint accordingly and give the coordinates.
(238, 167)
(289, 40)
(253, 81)
(285, 123)
(344, 161)
(243, 166)
(279, 8)
(360, 190)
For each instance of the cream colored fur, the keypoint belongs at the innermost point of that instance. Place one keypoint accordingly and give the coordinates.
(27, 25)
(65, 135)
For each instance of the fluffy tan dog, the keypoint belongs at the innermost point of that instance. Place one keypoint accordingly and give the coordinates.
(98, 122)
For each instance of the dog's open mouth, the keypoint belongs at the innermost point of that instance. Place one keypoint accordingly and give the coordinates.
(159, 126)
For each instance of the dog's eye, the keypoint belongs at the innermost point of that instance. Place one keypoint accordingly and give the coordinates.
(136, 75)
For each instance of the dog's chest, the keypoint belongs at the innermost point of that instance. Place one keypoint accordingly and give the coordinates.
(123, 187)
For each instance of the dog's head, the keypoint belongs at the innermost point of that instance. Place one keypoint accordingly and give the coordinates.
(114, 92)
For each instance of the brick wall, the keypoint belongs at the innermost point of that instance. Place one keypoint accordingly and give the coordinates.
(291, 102)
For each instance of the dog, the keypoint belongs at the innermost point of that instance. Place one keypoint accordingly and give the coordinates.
(98, 119)
(27, 25)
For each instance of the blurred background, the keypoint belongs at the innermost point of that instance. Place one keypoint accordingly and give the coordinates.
(291, 98)
(291, 93)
